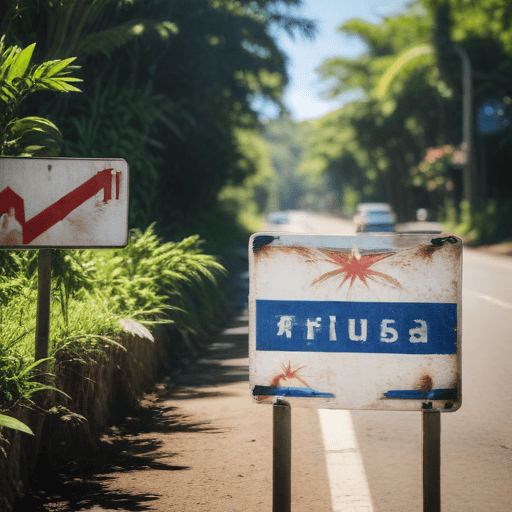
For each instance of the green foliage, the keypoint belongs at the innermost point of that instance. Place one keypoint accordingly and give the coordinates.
(149, 281)
(483, 19)
(167, 86)
(29, 136)
(374, 145)
(77, 27)
(128, 123)
(250, 199)
(286, 141)
(411, 106)
(484, 222)
(9, 422)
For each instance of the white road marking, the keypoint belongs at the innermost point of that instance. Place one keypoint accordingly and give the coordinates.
(347, 479)
(488, 298)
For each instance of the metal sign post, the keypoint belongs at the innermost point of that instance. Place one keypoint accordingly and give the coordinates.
(359, 322)
(282, 456)
(431, 460)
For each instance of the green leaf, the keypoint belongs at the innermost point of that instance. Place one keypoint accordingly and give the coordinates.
(53, 68)
(8, 422)
(21, 62)
(37, 133)
(42, 387)
(57, 84)
(6, 60)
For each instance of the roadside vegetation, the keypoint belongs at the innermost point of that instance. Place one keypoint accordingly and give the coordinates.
(171, 87)
(93, 292)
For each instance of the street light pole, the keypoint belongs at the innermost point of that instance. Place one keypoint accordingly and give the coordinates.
(469, 181)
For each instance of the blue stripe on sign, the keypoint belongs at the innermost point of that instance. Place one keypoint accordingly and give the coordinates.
(416, 394)
(356, 327)
(289, 391)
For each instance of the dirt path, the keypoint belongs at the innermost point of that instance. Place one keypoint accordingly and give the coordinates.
(196, 444)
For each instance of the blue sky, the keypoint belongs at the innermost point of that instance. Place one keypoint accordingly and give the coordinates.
(302, 94)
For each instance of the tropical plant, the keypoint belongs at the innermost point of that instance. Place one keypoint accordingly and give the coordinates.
(10, 422)
(164, 281)
(410, 88)
(29, 136)
(148, 281)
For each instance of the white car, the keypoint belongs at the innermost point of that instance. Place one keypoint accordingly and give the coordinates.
(375, 218)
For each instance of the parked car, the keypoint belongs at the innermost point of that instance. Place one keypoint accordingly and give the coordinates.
(375, 218)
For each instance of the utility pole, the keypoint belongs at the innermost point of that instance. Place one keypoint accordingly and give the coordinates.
(469, 181)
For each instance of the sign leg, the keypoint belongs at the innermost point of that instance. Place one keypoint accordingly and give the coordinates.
(282, 456)
(431, 460)
(43, 305)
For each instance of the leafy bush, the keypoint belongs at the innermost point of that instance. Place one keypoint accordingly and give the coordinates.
(484, 222)
(150, 279)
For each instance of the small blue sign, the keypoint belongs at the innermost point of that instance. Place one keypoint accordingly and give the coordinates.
(492, 117)
(356, 327)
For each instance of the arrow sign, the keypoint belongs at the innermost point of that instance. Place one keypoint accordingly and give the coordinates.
(61, 202)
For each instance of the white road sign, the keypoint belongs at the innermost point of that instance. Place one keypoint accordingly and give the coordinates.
(63, 202)
(356, 322)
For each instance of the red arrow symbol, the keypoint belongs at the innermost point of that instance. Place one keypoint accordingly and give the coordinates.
(60, 209)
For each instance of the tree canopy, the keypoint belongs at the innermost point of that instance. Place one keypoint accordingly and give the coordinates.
(167, 85)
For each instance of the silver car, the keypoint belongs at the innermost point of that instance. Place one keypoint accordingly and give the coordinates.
(375, 218)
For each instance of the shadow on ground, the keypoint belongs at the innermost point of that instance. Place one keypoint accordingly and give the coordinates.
(81, 482)
(224, 361)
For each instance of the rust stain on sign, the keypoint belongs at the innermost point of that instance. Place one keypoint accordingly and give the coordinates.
(267, 251)
(426, 383)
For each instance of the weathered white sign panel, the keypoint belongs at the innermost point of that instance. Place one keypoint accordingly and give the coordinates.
(356, 322)
(63, 202)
